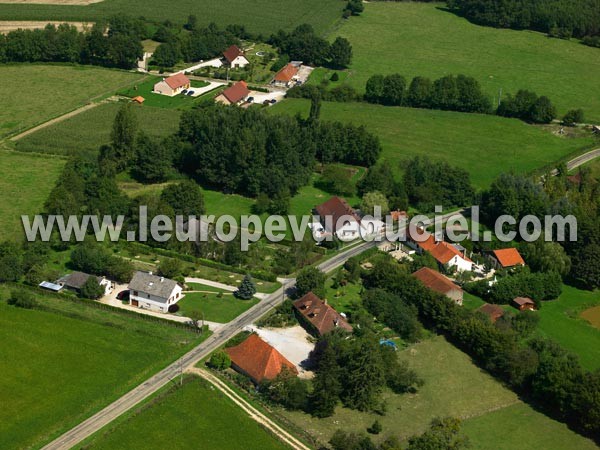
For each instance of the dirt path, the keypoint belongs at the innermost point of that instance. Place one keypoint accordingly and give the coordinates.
(51, 2)
(55, 120)
(12, 25)
(251, 410)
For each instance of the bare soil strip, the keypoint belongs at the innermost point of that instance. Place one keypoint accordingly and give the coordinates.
(7, 26)
(52, 2)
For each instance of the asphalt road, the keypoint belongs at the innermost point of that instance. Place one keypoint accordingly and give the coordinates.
(171, 373)
(580, 160)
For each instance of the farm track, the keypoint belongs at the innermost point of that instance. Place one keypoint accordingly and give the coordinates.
(254, 413)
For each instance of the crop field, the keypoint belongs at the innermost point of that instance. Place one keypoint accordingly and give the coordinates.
(413, 38)
(261, 16)
(563, 321)
(25, 185)
(52, 90)
(455, 387)
(483, 145)
(62, 364)
(87, 131)
(212, 422)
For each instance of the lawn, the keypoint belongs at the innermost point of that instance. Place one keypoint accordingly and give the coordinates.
(561, 321)
(423, 39)
(217, 307)
(322, 76)
(260, 16)
(483, 145)
(521, 427)
(60, 368)
(25, 184)
(454, 386)
(192, 416)
(180, 101)
(52, 90)
(87, 131)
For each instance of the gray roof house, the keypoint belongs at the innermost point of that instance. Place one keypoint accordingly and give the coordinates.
(75, 281)
(153, 292)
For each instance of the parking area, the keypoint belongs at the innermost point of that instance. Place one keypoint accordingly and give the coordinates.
(294, 343)
(261, 97)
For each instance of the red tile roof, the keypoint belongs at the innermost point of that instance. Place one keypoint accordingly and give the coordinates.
(509, 257)
(322, 316)
(232, 52)
(178, 80)
(287, 73)
(494, 312)
(435, 281)
(442, 251)
(258, 360)
(336, 208)
(139, 99)
(236, 93)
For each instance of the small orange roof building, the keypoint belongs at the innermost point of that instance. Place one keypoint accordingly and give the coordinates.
(139, 99)
(322, 317)
(258, 360)
(234, 95)
(507, 257)
(524, 304)
(494, 312)
(439, 283)
(285, 75)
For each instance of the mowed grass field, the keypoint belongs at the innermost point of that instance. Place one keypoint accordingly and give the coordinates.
(221, 309)
(423, 39)
(35, 93)
(60, 368)
(192, 416)
(87, 131)
(561, 320)
(259, 16)
(454, 386)
(25, 185)
(483, 145)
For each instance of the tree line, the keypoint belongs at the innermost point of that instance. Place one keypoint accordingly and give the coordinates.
(536, 367)
(116, 43)
(561, 18)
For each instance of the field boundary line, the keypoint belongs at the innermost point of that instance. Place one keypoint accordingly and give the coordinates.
(254, 413)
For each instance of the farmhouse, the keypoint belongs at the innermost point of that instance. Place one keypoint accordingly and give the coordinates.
(152, 292)
(235, 58)
(439, 283)
(524, 304)
(234, 95)
(319, 317)
(445, 253)
(75, 281)
(506, 258)
(494, 312)
(337, 217)
(258, 360)
(285, 76)
(172, 85)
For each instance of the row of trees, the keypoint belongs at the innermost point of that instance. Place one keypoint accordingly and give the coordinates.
(303, 44)
(113, 44)
(527, 106)
(539, 368)
(563, 18)
(454, 93)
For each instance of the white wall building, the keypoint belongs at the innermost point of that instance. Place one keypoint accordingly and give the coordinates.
(152, 292)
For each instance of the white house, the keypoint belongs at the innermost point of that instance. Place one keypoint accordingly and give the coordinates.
(172, 85)
(235, 57)
(337, 217)
(445, 253)
(153, 292)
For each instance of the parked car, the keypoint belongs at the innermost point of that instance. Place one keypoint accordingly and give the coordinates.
(250, 99)
(184, 91)
(190, 93)
(123, 295)
(273, 101)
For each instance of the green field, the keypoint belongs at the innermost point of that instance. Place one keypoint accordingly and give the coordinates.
(25, 184)
(561, 321)
(261, 16)
(521, 427)
(216, 309)
(52, 90)
(484, 145)
(87, 131)
(59, 368)
(192, 416)
(423, 39)
(454, 386)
